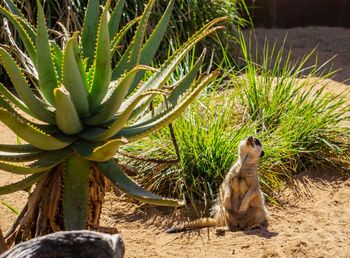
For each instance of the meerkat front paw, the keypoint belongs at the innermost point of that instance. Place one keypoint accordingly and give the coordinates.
(242, 211)
(221, 230)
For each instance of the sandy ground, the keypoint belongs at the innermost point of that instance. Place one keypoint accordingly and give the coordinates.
(330, 44)
(313, 219)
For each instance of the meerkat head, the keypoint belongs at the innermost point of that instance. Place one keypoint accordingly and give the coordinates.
(250, 148)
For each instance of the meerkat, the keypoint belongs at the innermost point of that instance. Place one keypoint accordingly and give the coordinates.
(252, 211)
(240, 202)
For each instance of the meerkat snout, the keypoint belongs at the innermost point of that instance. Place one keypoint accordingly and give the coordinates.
(251, 146)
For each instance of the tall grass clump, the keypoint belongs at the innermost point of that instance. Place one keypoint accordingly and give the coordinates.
(283, 102)
(292, 107)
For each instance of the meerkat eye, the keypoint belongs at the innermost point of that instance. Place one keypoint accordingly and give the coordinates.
(257, 142)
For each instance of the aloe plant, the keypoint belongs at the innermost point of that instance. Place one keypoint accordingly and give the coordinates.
(75, 106)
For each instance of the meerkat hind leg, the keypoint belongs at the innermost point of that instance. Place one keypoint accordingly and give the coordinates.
(253, 218)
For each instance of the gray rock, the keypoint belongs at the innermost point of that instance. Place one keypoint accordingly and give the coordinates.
(82, 243)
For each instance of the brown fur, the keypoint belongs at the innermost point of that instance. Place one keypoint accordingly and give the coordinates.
(240, 201)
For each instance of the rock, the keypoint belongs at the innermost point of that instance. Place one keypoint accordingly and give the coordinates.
(69, 244)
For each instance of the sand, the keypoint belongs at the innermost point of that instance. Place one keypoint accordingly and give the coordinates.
(312, 220)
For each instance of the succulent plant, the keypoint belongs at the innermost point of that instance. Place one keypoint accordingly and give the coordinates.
(76, 105)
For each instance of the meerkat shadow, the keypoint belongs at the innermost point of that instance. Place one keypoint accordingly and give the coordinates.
(220, 232)
(261, 231)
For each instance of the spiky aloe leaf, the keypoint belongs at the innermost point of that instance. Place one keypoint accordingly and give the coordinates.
(72, 79)
(23, 184)
(18, 148)
(102, 63)
(131, 56)
(44, 162)
(16, 101)
(139, 131)
(75, 192)
(57, 58)
(149, 49)
(179, 88)
(13, 8)
(23, 88)
(184, 83)
(28, 29)
(67, 118)
(96, 134)
(111, 106)
(120, 35)
(11, 157)
(18, 25)
(89, 32)
(97, 151)
(82, 64)
(137, 41)
(44, 63)
(160, 77)
(5, 104)
(115, 174)
(33, 135)
(114, 21)
(21, 19)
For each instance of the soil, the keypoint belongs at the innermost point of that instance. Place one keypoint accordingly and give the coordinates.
(312, 219)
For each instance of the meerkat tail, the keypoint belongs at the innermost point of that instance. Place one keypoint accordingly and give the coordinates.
(199, 223)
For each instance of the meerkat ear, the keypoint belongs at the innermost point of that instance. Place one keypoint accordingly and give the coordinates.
(257, 142)
(250, 140)
(262, 154)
